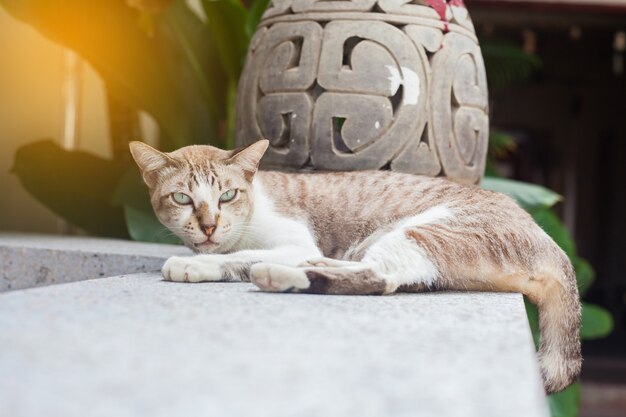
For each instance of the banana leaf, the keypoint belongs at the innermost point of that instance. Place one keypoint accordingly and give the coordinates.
(585, 274)
(553, 226)
(227, 23)
(529, 196)
(194, 59)
(75, 185)
(596, 322)
(132, 195)
(565, 403)
(256, 10)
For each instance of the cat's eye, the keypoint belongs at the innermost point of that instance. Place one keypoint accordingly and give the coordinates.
(181, 198)
(228, 196)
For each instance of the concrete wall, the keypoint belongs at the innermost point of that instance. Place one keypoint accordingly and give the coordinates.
(31, 108)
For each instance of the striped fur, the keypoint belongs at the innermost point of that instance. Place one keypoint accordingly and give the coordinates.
(375, 232)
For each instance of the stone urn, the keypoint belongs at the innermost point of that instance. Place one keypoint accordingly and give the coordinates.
(367, 84)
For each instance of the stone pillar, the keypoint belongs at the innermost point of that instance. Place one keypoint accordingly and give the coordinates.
(367, 84)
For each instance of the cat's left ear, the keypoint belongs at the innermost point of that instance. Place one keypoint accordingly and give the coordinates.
(248, 158)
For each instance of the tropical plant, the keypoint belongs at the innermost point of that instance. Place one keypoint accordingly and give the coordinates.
(160, 56)
(596, 321)
(506, 65)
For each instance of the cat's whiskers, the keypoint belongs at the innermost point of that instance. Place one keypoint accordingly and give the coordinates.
(164, 231)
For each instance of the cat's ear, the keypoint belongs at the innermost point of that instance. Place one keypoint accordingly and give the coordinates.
(149, 161)
(248, 158)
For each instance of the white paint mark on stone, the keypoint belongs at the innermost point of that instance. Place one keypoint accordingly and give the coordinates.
(411, 86)
(409, 79)
(377, 124)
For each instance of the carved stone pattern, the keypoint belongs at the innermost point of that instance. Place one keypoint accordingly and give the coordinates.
(366, 84)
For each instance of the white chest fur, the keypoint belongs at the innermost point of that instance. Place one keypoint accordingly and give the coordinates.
(268, 229)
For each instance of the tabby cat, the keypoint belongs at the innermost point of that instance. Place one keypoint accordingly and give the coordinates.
(363, 232)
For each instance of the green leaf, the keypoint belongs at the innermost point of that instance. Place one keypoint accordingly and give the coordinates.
(75, 185)
(254, 16)
(507, 64)
(131, 190)
(501, 143)
(533, 320)
(565, 403)
(145, 227)
(142, 223)
(529, 196)
(230, 125)
(584, 274)
(195, 56)
(491, 170)
(227, 23)
(596, 322)
(553, 226)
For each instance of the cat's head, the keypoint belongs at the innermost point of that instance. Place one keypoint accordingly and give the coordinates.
(201, 193)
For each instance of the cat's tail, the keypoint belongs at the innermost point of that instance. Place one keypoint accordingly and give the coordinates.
(557, 300)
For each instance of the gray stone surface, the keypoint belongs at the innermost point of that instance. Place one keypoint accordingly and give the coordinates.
(29, 260)
(138, 346)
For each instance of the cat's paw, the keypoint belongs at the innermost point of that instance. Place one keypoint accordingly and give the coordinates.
(327, 262)
(187, 269)
(278, 278)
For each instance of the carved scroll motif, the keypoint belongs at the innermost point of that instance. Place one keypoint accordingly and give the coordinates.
(277, 7)
(408, 7)
(335, 85)
(460, 109)
(274, 99)
(299, 6)
(373, 79)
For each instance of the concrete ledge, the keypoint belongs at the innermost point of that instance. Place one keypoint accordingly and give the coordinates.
(35, 260)
(138, 346)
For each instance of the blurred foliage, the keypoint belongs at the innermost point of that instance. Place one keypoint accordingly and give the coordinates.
(500, 146)
(528, 196)
(75, 195)
(155, 55)
(507, 64)
(596, 321)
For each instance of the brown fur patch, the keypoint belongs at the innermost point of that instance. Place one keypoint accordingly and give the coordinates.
(345, 281)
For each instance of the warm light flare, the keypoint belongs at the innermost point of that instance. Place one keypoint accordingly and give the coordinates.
(149, 6)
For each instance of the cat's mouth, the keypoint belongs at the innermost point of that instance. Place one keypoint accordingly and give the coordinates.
(207, 242)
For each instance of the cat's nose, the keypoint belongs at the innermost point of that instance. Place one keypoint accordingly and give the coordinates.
(208, 229)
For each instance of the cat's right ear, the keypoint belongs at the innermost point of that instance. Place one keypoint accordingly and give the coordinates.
(149, 161)
(248, 158)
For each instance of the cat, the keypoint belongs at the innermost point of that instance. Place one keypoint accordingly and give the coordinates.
(361, 232)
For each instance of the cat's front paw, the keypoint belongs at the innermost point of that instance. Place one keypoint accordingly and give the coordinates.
(278, 278)
(187, 269)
